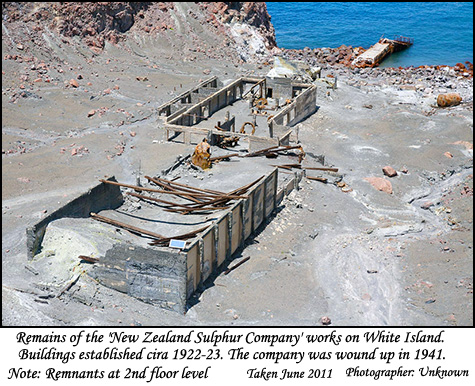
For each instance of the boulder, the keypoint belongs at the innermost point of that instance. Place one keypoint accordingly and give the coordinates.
(450, 99)
(382, 184)
(389, 171)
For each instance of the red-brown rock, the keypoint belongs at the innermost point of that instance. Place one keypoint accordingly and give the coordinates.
(389, 171)
(382, 184)
(325, 320)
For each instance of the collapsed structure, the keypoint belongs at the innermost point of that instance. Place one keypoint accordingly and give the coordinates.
(126, 245)
(384, 47)
(274, 103)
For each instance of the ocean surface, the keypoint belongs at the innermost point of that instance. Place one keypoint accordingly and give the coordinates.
(442, 32)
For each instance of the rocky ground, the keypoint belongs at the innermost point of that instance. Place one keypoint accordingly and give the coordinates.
(79, 105)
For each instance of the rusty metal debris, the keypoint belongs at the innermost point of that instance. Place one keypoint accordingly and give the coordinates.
(202, 155)
(260, 103)
(128, 227)
(270, 152)
(243, 131)
(165, 240)
(237, 265)
(206, 200)
(321, 179)
(89, 259)
(298, 166)
(274, 150)
(225, 142)
(213, 159)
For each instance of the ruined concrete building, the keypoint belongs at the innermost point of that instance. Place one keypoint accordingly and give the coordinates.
(272, 105)
(155, 272)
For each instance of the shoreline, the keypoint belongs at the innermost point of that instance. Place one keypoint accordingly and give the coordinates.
(343, 55)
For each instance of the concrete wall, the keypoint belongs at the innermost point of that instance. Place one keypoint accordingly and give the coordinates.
(167, 278)
(100, 197)
(173, 105)
(303, 105)
(154, 276)
(281, 88)
(205, 108)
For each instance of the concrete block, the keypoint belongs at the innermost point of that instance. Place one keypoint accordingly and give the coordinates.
(153, 275)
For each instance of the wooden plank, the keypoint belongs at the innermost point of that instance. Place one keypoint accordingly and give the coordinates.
(269, 194)
(247, 216)
(126, 226)
(236, 227)
(209, 254)
(223, 239)
(193, 269)
(258, 205)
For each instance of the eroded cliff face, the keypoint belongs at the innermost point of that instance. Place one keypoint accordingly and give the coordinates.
(242, 29)
(253, 14)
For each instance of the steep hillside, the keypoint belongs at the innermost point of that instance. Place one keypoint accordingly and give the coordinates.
(227, 29)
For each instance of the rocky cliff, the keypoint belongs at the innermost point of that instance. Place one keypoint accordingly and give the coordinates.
(238, 28)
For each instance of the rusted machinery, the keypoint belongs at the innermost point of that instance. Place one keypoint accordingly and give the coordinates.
(201, 155)
(260, 103)
(450, 99)
(243, 130)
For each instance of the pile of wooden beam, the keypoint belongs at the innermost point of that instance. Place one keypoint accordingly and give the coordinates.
(200, 201)
(270, 152)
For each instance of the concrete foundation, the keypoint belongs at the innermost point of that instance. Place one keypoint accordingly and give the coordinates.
(293, 103)
(162, 276)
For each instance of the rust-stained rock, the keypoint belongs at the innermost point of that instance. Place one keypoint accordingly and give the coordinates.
(447, 100)
(325, 320)
(389, 171)
(91, 113)
(201, 155)
(448, 154)
(382, 184)
(468, 145)
(73, 83)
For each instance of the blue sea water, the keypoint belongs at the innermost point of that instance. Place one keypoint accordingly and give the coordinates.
(442, 32)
